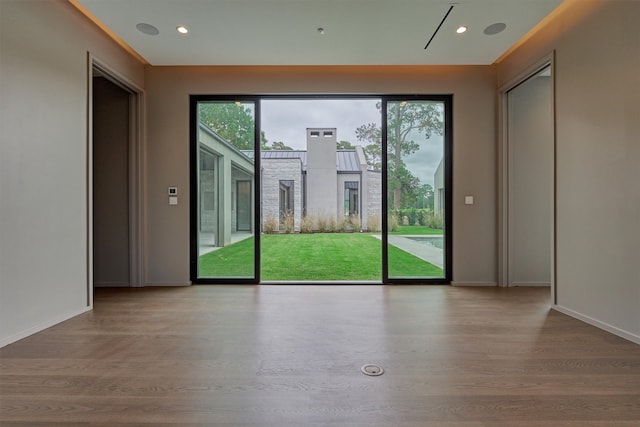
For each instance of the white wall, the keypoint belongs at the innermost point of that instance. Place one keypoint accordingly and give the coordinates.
(597, 52)
(474, 150)
(43, 160)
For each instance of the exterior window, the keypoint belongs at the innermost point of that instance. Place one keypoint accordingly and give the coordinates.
(351, 199)
(286, 200)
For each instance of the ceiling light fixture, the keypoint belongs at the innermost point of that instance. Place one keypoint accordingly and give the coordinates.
(182, 29)
(461, 29)
(320, 30)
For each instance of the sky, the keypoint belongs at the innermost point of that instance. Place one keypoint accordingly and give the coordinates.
(286, 120)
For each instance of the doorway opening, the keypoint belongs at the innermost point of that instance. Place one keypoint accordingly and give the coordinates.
(527, 214)
(114, 180)
(341, 189)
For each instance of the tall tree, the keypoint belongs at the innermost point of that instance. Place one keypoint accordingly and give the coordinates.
(405, 122)
(234, 122)
(344, 145)
(279, 145)
(425, 197)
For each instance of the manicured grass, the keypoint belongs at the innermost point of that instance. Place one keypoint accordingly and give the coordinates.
(231, 261)
(416, 230)
(321, 256)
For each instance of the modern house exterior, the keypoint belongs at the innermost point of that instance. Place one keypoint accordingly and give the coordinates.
(226, 189)
(320, 181)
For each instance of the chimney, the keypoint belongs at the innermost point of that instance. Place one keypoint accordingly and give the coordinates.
(322, 171)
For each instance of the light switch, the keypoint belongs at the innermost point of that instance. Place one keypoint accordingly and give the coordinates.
(468, 200)
(173, 200)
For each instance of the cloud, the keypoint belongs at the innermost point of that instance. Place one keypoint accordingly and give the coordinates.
(286, 120)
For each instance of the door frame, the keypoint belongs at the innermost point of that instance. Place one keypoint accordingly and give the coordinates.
(505, 175)
(136, 169)
(445, 99)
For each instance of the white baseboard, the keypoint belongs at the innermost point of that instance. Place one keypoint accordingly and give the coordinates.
(474, 284)
(598, 324)
(542, 284)
(41, 326)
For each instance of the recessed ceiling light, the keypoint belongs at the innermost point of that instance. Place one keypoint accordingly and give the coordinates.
(182, 29)
(147, 29)
(496, 28)
(320, 30)
(461, 29)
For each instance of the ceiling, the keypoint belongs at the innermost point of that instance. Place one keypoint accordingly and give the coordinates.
(285, 32)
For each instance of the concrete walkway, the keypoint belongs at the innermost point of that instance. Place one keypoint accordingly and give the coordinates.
(423, 251)
(207, 241)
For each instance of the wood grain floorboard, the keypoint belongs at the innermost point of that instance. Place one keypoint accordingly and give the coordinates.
(291, 356)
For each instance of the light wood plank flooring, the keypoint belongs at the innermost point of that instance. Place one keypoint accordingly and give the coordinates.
(291, 356)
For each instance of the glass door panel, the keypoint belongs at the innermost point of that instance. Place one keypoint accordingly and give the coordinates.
(415, 189)
(224, 147)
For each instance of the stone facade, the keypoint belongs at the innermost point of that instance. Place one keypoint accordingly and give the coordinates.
(374, 197)
(273, 171)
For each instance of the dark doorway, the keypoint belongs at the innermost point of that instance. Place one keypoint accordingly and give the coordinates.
(111, 211)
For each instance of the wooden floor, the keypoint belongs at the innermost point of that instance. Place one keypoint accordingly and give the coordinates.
(291, 356)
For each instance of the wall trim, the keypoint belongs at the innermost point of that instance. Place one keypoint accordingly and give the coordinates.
(42, 326)
(167, 284)
(111, 285)
(598, 324)
(537, 284)
(474, 283)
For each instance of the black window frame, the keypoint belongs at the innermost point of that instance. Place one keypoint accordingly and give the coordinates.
(446, 99)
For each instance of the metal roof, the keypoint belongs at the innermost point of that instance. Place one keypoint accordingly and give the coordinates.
(346, 160)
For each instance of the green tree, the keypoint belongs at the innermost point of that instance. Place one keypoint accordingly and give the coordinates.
(425, 197)
(371, 134)
(279, 145)
(344, 145)
(234, 122)
(405, 122)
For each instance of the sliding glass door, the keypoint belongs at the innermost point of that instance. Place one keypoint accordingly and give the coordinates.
(280, 198)
(223, 185)
(417, 166)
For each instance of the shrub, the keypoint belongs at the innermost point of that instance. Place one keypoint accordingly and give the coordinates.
(331, 224)
(355, 222)
(405, 220)
(343, 224)
(432, 220)
(322, 223)
(392, 222)
(307, 223)
(288, 222)
(373, 223)
(270, 224)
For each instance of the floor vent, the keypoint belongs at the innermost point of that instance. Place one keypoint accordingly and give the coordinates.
(372, 370)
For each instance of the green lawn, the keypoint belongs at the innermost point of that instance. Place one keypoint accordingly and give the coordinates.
(321, 256)
(416, 230)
